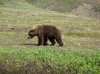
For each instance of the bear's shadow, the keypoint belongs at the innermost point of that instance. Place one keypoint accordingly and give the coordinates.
(29, 44)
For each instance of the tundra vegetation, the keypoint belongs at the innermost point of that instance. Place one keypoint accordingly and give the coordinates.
(18, 55)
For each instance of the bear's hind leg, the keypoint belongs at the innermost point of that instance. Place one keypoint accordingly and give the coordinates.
(59, 41)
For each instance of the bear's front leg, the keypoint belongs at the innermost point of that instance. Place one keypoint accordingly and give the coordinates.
(40, 40)
(45, 41)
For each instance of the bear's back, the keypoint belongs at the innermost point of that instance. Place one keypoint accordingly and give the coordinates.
(50, 30)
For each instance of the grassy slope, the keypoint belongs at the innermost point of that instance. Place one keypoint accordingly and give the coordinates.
(63, 5)
(81, 36)
(58, 5)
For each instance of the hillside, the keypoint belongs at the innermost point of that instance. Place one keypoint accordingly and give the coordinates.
(89, 8)
(19, 16)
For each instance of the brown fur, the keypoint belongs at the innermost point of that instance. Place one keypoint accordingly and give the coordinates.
(45, 32)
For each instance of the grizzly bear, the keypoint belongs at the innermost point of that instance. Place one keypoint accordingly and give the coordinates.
(45, 33)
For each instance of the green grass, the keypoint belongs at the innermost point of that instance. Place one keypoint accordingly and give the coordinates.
(48, 60)
(81, 37)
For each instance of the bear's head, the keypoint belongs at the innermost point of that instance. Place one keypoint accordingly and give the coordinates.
(32, 33)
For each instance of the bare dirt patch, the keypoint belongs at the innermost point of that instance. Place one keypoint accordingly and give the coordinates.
(89, 43)
(88, 10)
(6, 28)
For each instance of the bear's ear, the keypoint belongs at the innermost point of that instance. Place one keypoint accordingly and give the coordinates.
(31, 31)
